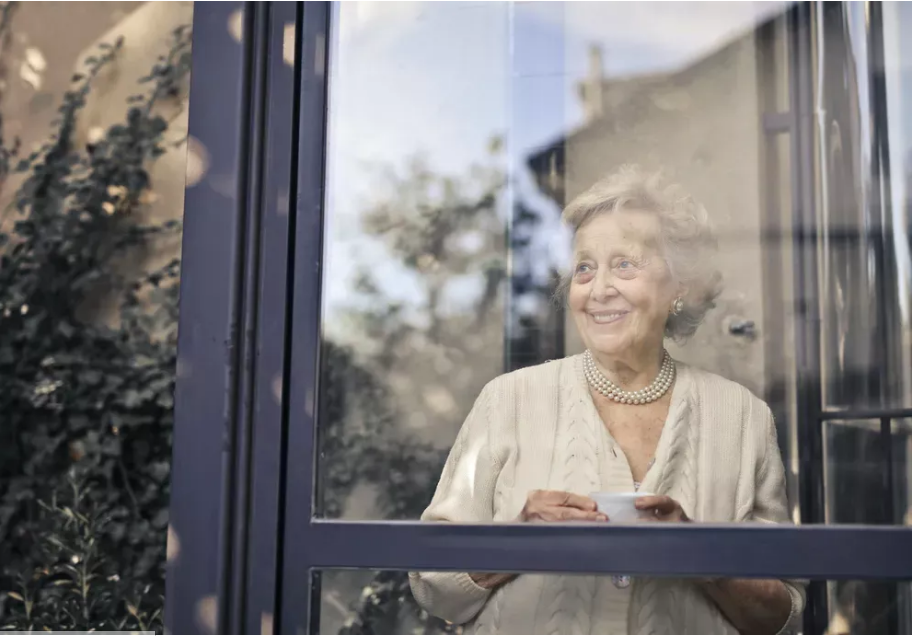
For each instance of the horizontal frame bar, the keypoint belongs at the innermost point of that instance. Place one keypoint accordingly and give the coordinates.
(737, 550)
(298, 607)
(865, 414)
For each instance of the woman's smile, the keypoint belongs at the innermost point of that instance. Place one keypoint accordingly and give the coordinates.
(607, 317)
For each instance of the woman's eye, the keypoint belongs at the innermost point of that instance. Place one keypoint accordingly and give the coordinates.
(626, 268)
(583, 268)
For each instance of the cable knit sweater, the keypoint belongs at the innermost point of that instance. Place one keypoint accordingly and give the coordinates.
(538, 428)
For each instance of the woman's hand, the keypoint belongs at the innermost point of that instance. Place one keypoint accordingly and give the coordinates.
(545, 505)
(557, 505)
(491, 580)
(664, 508)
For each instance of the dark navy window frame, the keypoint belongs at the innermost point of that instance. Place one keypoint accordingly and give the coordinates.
(248, 540)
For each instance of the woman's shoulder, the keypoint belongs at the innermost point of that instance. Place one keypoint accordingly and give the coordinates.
(723, 403)
(540, 377)
(722, 392)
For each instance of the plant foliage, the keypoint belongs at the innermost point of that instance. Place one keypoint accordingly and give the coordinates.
(79, 399)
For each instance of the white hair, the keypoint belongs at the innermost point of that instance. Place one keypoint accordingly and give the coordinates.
(686, 240)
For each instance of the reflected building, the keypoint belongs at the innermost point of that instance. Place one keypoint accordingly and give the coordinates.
(700, 125)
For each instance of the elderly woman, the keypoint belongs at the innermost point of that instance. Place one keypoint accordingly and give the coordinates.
(622, 416)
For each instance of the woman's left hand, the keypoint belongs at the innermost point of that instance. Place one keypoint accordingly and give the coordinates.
(664, 508)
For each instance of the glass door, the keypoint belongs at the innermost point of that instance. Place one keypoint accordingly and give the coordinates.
(446, 170)
(397, 175)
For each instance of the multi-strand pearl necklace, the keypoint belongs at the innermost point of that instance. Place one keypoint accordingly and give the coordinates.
(645, 395)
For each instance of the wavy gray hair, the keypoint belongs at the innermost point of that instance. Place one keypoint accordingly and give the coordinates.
(686, 237)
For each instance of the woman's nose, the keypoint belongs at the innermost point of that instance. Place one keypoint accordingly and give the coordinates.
(603, 288)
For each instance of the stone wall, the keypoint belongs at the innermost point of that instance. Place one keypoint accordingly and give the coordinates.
(48, 44)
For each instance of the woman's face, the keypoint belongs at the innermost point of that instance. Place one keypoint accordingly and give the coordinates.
(621, 290)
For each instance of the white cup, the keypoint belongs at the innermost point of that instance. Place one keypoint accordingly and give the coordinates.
(619, 506)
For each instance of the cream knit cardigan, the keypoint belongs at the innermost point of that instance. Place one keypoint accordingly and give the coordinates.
(538, 428)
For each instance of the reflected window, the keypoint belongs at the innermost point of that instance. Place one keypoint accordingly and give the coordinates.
(359, 602)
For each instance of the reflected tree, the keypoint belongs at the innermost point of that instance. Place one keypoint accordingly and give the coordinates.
(392, 402)
(360, 443)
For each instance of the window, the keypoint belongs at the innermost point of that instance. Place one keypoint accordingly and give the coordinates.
(424, 258)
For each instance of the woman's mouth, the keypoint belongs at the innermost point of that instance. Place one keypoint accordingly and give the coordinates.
(607, 317)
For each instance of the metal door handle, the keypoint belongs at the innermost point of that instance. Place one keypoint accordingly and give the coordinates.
(745, 328)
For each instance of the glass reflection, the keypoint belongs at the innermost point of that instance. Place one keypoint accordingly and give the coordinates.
(447, 173)
(901, 462)
(448, 169)
(361, 602)
(856, 465)
(898, 82)
(865, 279)
(868, 607)
(416, 256)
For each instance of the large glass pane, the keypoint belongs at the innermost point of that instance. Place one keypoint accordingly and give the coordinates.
(447, 171)
(859, 474)
(864, 145)
(898, 79)
(868, 607)
(381, 602)
(901, 462)
(448, 168)
(417, 207)
(93, 150)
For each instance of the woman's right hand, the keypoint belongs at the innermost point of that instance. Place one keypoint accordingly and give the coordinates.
(546, 505)
(558, 506)
(491, 580)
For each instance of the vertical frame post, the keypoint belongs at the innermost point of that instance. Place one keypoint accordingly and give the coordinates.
(199, 563)
(808, 320)
(279, 130)
(228, 437)
(299, 605)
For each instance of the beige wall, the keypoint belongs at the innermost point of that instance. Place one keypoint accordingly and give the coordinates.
(50, 35)
(147, 33)
(48, 42)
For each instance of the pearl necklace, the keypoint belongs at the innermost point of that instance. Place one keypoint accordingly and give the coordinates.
(644, 396)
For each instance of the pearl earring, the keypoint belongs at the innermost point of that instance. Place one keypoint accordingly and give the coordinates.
(677, 306)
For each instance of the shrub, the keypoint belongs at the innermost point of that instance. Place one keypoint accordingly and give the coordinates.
(80, 399)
